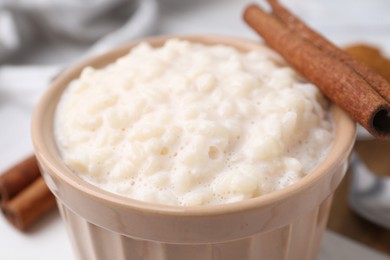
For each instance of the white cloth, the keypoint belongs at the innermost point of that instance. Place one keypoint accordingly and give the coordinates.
(26, 25)
(63, 32)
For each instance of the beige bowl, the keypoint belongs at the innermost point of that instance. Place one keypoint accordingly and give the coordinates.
(286, 224)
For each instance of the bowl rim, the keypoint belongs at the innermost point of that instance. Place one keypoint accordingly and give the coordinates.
(52, 166)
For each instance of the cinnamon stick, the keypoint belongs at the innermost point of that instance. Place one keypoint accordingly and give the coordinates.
(24, 194)
(377, 82)
(338, 81)
(18, 177)
(29, 204)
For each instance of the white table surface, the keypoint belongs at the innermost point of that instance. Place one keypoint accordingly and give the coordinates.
(362, 21)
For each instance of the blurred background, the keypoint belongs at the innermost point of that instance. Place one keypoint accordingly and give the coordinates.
(38, 39)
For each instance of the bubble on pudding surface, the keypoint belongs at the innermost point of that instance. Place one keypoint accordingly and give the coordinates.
(164, 151)
(214, 153)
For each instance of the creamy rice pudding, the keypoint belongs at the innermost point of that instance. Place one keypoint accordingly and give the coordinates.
(191, 124)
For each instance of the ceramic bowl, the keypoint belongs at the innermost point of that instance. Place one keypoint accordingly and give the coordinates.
(287, 224)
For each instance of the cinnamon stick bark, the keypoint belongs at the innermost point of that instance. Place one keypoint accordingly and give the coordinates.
(368, 74)
(29, 205)
(24, 194)
(18, 177)
(338, 81)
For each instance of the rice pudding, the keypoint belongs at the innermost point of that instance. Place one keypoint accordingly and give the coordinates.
(191, 124)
